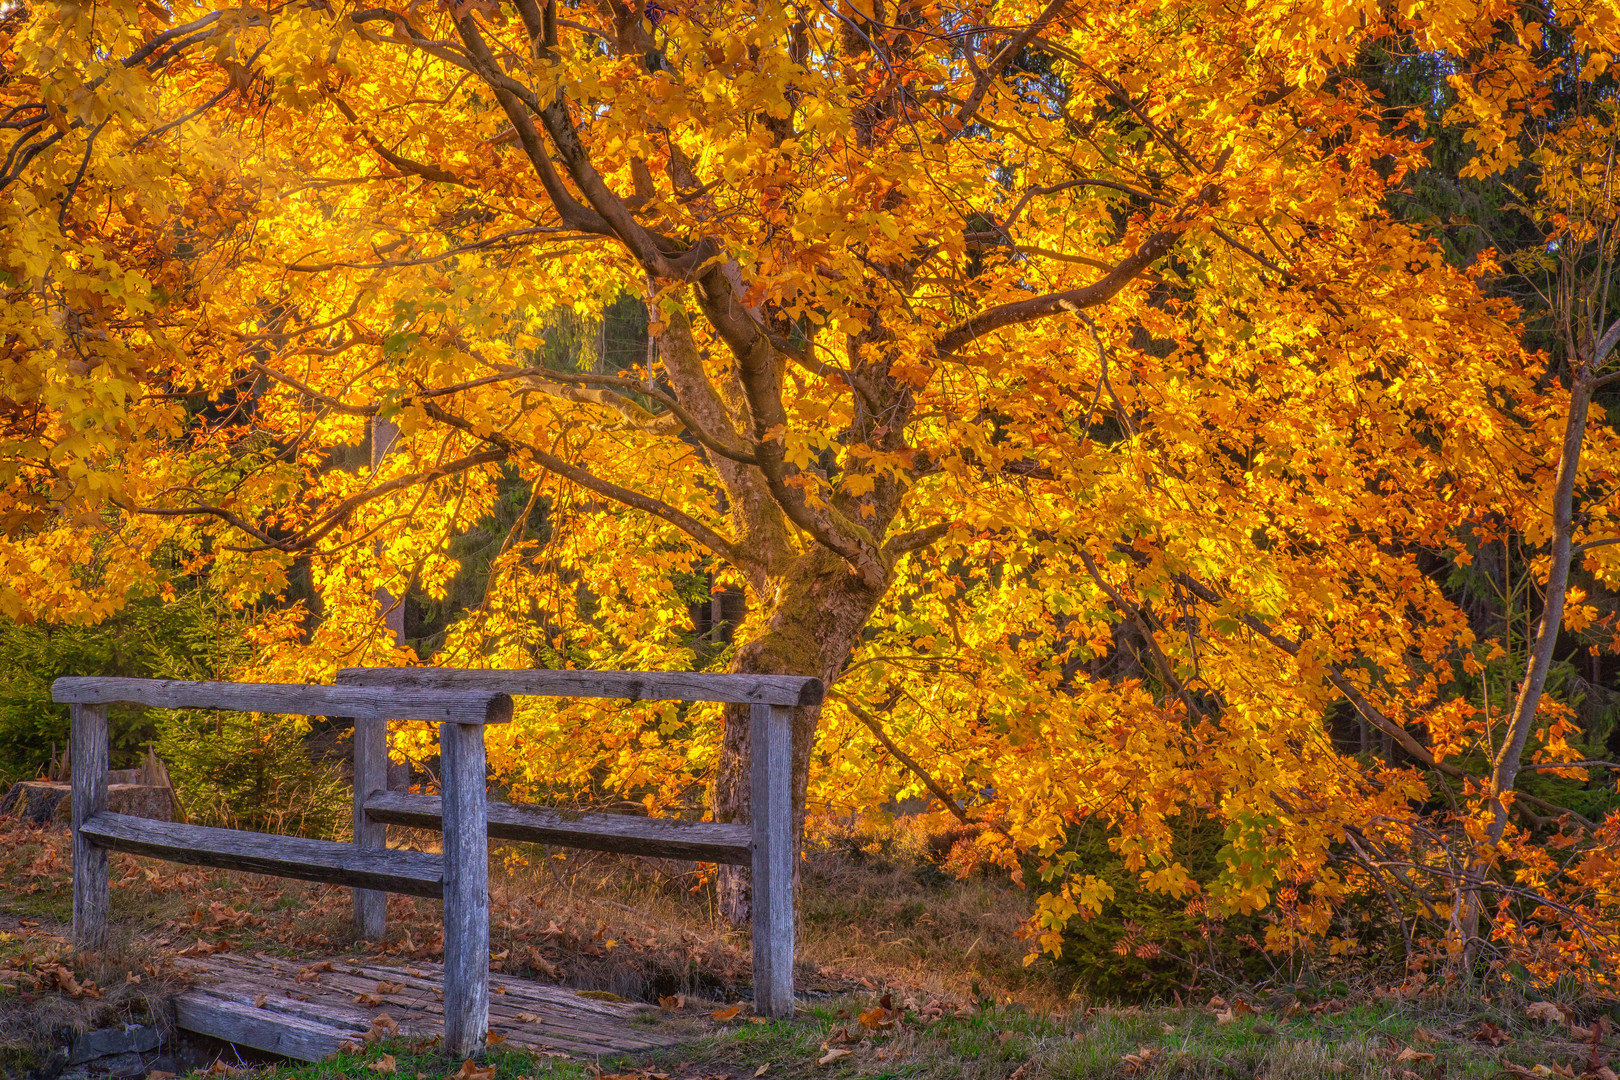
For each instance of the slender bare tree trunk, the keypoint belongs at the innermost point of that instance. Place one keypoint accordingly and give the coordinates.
(1505, 769)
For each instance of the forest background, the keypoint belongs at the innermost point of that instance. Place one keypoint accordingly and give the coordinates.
(1179, 436)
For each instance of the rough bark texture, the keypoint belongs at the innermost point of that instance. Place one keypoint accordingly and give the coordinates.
(821, 611)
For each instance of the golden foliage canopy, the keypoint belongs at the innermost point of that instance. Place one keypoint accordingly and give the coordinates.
(1053, 378)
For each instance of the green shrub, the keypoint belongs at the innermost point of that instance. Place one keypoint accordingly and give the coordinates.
(228, 768)
(1146, 945)
(251, 771)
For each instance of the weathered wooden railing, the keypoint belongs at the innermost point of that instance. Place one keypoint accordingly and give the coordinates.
(767, 844)
(461, 702)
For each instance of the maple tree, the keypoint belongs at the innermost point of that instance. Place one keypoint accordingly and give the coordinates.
(1055, 382)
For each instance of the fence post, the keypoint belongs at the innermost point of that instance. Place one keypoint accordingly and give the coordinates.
(466, 888)
(370, 775)
(770, 750)
(89, 795)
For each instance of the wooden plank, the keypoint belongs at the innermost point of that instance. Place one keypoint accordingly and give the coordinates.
(703, 841)
(529, 1015)
(411, 872)
(770, 750)
(89, 778)
(631, 685)
(242, 1023)
(370, 777)
(466, 888)
(468, 706)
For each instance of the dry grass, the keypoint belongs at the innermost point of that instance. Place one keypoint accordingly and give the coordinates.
(876, 916)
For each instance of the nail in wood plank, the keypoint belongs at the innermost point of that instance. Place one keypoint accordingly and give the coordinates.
(466, 888)
(770, 749)
(89, 795)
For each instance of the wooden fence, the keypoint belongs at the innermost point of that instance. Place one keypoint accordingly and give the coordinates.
(462, 703)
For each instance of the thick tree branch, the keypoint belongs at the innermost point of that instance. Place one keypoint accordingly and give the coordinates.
(1040, 307)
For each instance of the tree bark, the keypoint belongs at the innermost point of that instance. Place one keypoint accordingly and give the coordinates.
(816, 623)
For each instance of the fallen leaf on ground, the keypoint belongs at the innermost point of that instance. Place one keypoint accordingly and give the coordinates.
(877, 1017)
(529, 1017)
(1603, 1072)
(723, 1015)
(390, 987)
(761, 1070)
(494, 1038)
(1142, 1060)
(835, 1054)
(673, 1002)
(367, 999)
(1545, 1010)
(470, 1071)
(1409, 1054)
(384, 1064)
(1491, 1035)
(258, 1002)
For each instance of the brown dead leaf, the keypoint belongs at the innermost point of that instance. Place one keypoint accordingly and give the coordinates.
(725, 1014)
(529, 1018)
(494, 1038)
(761, 1070)
(384, 1064)
(672, 1003)
(877, 1018)
(390, 987)
(1142, 1060)
(258, 1002)
(367, 999)
(1491, 1035)
(470, 1071)
(836, 1053)
(1545, 1010)
(1409, 1054)
(382, 1026)
(1603, 1072)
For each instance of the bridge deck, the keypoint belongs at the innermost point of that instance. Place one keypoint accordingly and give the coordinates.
(307, 1010)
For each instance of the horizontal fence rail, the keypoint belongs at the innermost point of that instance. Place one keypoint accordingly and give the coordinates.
(411, 872)
(443, 706)
(701, 841)
(624, 685)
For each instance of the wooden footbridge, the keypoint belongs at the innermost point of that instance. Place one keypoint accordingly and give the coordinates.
(243, 1000)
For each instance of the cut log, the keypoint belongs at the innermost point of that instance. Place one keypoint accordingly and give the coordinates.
(628, 685)
(702, 841)
(42, 801)
(410, 872)
(469, 706)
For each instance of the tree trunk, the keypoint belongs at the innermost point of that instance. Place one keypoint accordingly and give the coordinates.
(1505, 769)
(815, 625)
